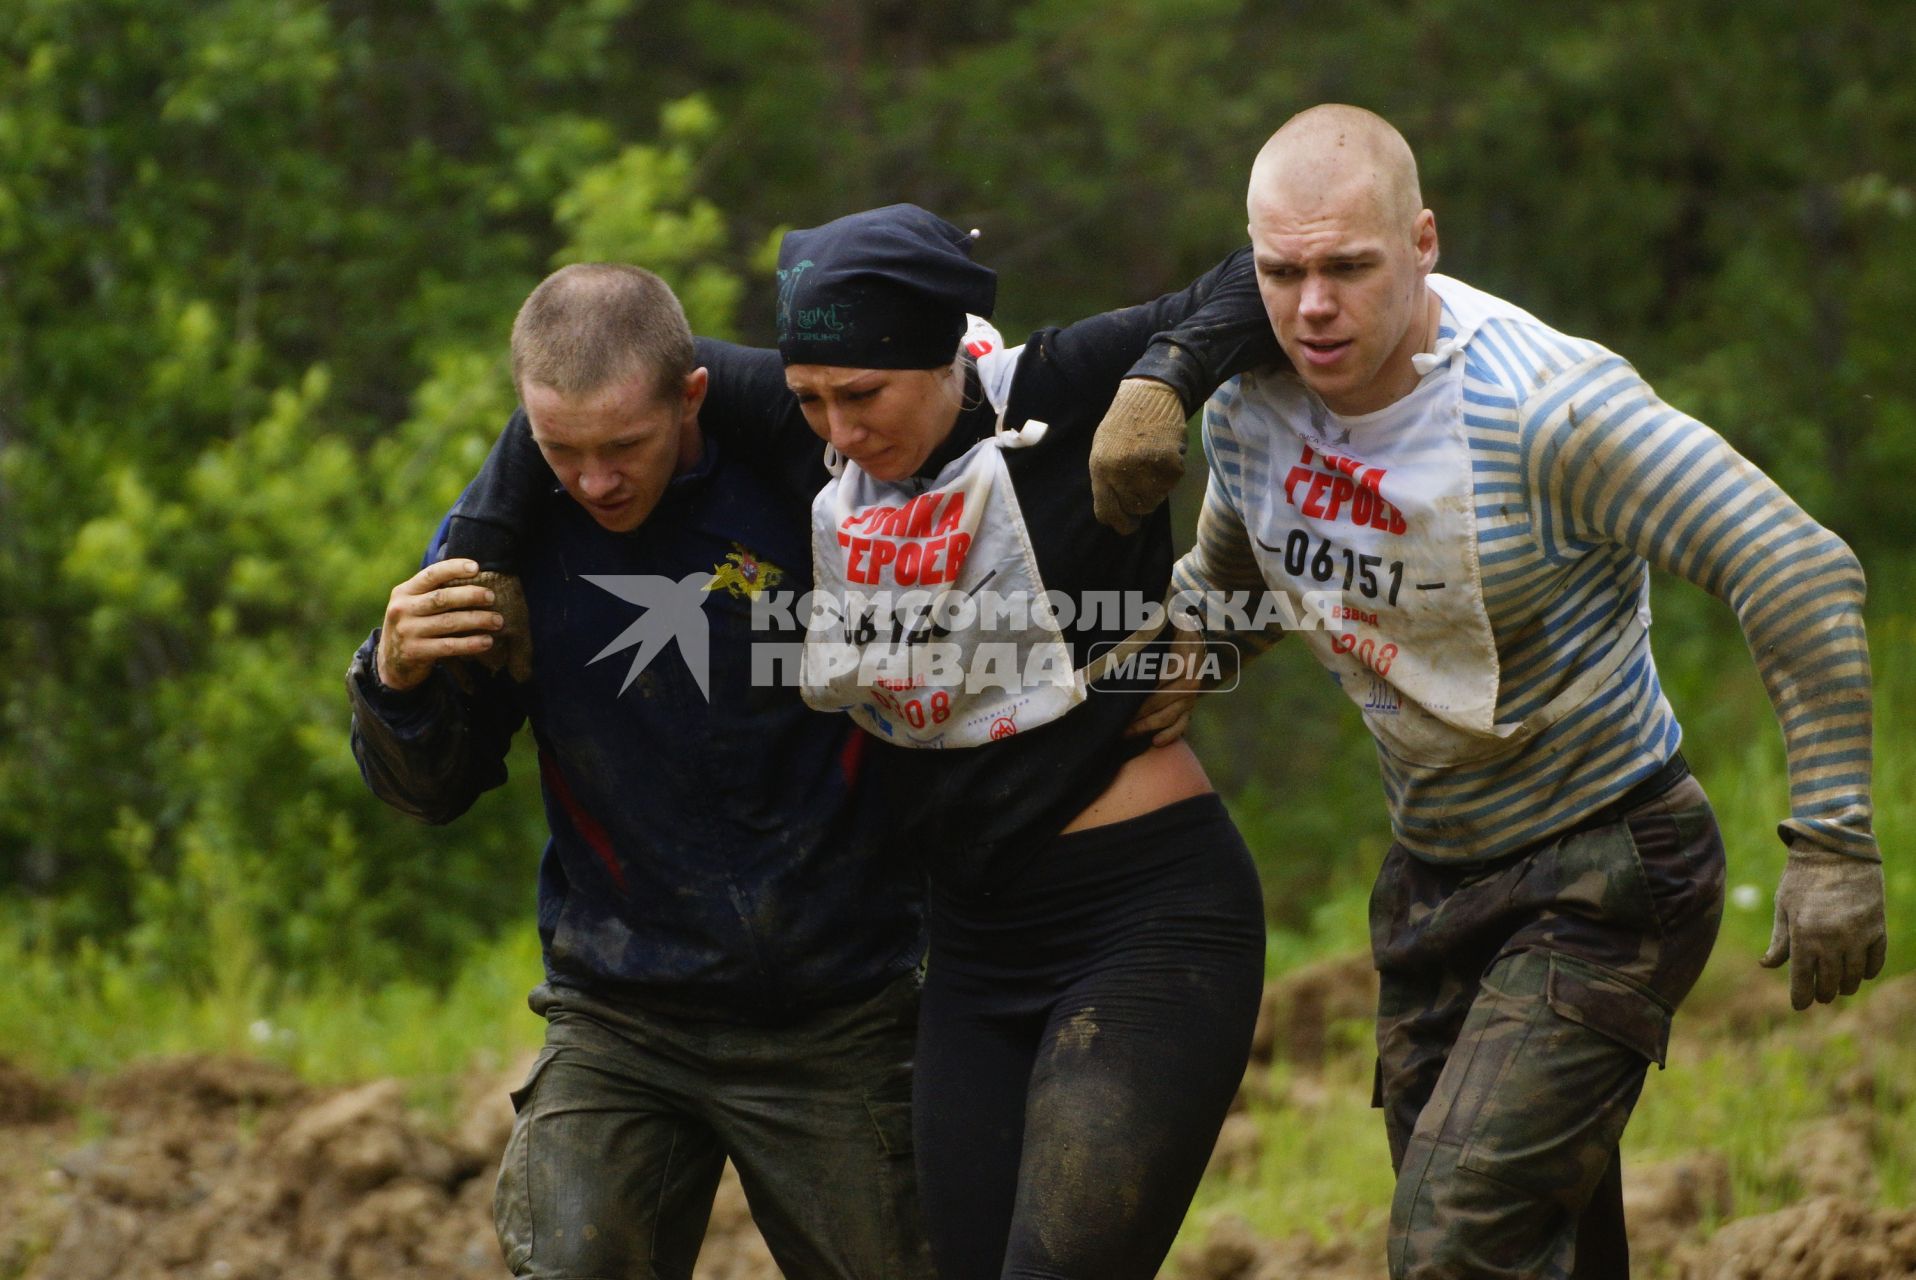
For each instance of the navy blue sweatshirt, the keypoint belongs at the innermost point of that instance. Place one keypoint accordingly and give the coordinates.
(707, 858)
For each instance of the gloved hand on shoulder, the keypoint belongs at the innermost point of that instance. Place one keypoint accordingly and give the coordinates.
(1137, 456)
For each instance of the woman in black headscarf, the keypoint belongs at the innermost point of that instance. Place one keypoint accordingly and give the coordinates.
(1096, 934)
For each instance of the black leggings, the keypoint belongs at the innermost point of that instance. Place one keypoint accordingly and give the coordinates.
(1080, 1038)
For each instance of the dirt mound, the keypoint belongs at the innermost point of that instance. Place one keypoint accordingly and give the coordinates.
(25, 1100)
(236, 1171)
(1299, 1011)
(1232, 1250)
(232, 1170)
(1748, 1006)
(165, 1089)
(733, 1248)
(36, 1126)
(1666, 1203)
(1888, 1013)
(1755, 1004)
(1239, 1143)
(1822, 1239)
(1834, 1156)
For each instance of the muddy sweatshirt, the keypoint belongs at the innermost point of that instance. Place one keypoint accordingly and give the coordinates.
(709, 854)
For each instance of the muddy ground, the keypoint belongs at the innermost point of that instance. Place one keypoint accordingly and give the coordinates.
(226, 1169)
(1682, 1214)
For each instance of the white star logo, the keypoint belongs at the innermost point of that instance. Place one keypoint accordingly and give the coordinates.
(673, 611)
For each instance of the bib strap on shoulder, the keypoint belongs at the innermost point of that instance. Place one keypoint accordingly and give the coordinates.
(1023, 437)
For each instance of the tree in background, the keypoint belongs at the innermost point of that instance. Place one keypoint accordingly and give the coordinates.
(258, 259)
(258, 294)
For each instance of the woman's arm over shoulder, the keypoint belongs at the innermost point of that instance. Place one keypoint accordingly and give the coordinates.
(1192, 339)
(749, 410)
(489, 522)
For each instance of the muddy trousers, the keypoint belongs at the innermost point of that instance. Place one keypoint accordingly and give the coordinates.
(1521, 1003)
(628, 1117)
(1081, 1037)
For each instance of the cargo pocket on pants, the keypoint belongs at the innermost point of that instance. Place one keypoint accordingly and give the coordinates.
(892, 1120)
(512, 1195)
(1610, 1005)
(1560, 1108)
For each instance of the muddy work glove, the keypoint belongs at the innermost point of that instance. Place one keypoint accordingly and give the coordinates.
(1137, 456)
(1829, 924)
(511, 649)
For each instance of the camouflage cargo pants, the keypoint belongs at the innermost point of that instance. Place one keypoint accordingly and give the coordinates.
(1521, 1004)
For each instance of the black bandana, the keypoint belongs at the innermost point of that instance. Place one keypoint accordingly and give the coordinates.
(884, 289)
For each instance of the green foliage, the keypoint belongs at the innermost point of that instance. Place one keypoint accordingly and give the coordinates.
(625, 210)
(249, 354)
(258, 260)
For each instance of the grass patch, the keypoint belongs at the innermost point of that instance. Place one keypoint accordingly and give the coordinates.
(1324, 1165)
(1324, 1168)
(92, 1012)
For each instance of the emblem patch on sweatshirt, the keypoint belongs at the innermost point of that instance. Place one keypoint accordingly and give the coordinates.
(744, 575)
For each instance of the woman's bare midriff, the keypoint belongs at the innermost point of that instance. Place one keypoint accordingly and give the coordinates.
(1161, 776)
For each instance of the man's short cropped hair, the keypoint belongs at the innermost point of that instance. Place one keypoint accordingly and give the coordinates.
(595, 323)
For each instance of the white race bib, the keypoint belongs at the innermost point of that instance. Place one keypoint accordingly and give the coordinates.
(934, 631)
(1382, 508)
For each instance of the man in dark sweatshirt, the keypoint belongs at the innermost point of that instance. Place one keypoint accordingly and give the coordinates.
(731, 954)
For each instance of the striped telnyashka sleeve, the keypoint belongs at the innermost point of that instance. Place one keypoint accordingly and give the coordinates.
(1221, 562)
(1615, 464)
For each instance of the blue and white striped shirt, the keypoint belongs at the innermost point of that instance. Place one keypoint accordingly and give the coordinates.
(1582, 478)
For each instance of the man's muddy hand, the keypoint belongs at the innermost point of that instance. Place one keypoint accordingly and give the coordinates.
(1166, 714)
(511, 650)
(431, 616)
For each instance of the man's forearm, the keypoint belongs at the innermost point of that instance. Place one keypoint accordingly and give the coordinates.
(420, 751)
(1220, 576)
(1608, 445)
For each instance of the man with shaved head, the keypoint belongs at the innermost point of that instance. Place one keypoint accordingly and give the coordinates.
(1488, 495)
(1340, 184)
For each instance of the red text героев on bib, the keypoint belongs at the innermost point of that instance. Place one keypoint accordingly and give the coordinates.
(1346, 489)
(919, 541)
